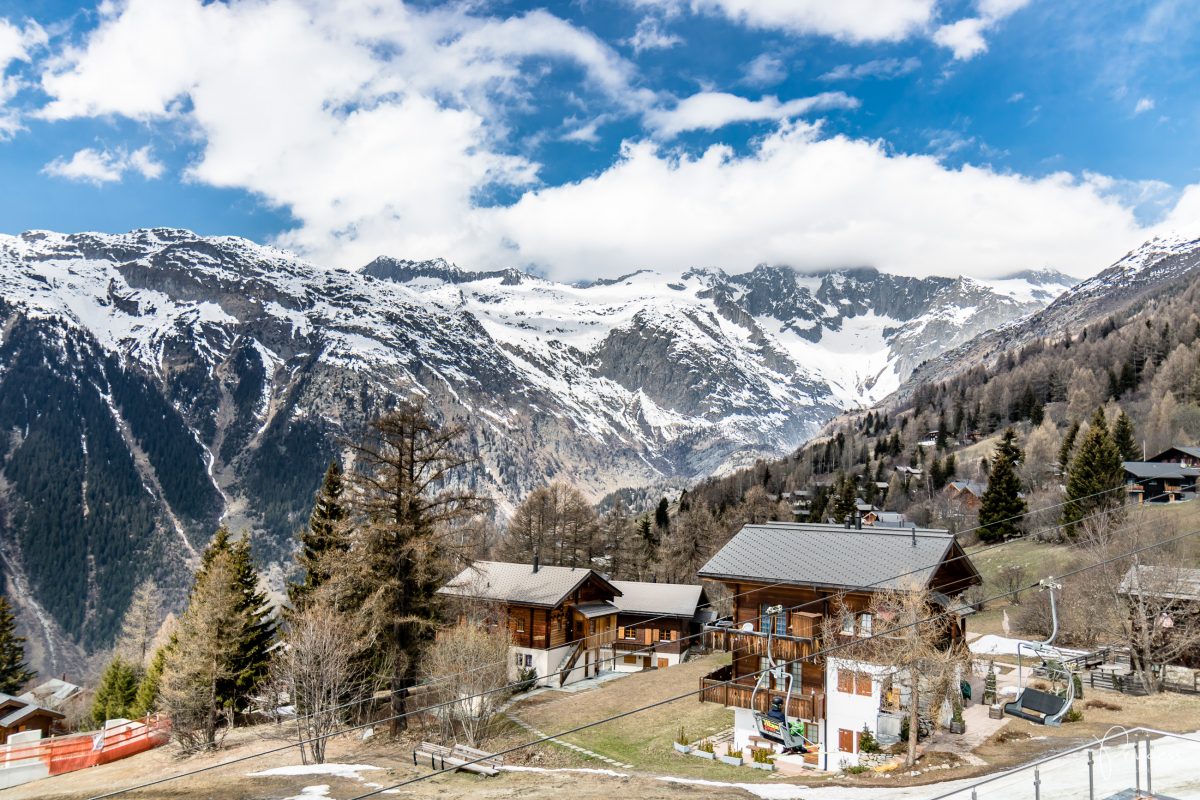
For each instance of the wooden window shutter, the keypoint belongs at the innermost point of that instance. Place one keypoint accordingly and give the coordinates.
(621, 632)
(674, 635)
(862, 684)
(845, 740)
(845, 681)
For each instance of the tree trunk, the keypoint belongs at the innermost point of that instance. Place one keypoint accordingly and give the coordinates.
(914, 722)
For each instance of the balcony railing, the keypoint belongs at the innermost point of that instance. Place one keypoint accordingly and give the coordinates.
(716, 688)
(738, 642)
(629, 645)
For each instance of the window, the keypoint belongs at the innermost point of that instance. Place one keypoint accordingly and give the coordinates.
(528, 660)
(520, 624)
(864, 624)
(764, 621)
(845, 681)
(846, 741)
(630, 633)
(520, 659)
(847, 624)
(665, 635)
(862, 684)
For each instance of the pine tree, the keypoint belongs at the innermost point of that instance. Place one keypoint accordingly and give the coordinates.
(14, 672)
(115, 695)
(146, 699)
(1001, 504)
(1123, 437)
(325, 532)
(662, 515)
(1008, 447)
(1095, 475)
(844, 505)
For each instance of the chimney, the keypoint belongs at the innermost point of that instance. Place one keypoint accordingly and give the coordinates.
(858, 520)
(536, 563)
(914, 535)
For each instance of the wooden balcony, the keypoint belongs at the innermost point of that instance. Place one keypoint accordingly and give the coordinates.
(717, 688)
(740, 643)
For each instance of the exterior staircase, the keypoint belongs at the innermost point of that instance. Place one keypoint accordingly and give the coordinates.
(568, 662)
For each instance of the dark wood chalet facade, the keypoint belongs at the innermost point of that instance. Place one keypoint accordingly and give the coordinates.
(560, 618)
(656, 623)
(816, 572)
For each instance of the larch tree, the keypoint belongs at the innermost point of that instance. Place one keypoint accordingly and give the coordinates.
(618, 541)
(688, 546)
(203, 659)
(410, 501)
(14, 671)
(1096, 475)
(1066, 450)
(326, 530)
(139, 626)
(556, 524)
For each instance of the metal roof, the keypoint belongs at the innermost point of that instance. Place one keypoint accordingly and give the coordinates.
(809, 554)
(518, 583)
(665, 599)
(1156, 469)
(1176, 583)
(596, 608)
(1194, 452)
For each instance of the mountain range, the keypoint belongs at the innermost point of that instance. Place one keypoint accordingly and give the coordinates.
(155, 383)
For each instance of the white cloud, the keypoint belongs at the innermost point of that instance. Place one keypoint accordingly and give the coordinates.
(883, 68)
(965, 39)
(846, 20)
(649, 35)
(814, 202)
(1016, 97)
(765, 69)
(1144, 104)
(712, 110)
(97, 167)
(16, 44)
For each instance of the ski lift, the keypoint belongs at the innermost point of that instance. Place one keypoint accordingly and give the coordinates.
(774, 725)
(1035, 705)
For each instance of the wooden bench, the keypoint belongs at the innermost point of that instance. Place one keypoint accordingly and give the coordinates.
(458, 757)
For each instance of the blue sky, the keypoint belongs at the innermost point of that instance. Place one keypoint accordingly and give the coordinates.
(590, 138)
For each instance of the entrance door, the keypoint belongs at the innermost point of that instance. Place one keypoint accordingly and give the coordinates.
(663, 663)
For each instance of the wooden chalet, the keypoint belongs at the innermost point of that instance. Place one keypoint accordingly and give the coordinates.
(1173, 595)
(18, 716)
(1184, 456)
(1159, 481)
(560, 618)
(657, 623)
(817, 571)
(968, 493)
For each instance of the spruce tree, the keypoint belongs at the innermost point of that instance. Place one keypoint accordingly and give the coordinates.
(1002, 505)
(845, 504)
(1095, 475)
(1123, 437)
(1066, 448)
(146, 699)
(325, 533)
(14, 672)
(1008, 447)
(115, 695)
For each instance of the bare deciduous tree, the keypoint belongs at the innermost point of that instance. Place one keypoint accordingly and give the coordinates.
(315, 670)
(468, 661)
(139, 626)
(918, 651)
(557, 524)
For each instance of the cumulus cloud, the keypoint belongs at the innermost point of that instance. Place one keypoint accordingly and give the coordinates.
(883, 68)
(765, 69)
(1144, 104)
(814, 202)
(649, 35)
(97, 167)
(16, 44)
(712, 110)
(965, 38)
(846, 20)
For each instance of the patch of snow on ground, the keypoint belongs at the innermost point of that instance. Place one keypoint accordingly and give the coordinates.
(336, 770)
(993, 645)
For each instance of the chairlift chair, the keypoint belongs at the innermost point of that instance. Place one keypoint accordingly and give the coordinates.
(1032, 704)
(775, 725)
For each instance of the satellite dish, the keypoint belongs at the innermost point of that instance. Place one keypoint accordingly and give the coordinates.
(748, 627)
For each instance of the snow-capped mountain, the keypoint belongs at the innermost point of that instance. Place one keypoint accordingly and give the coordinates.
(1163, 263)
(155, 382)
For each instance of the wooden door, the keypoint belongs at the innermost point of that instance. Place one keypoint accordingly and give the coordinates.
(663, 663)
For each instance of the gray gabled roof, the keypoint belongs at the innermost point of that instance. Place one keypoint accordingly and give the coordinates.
(661, 599)
(518, 583)
(1156, 469)
(808, 554)
(1176, 583)
(1194, 452)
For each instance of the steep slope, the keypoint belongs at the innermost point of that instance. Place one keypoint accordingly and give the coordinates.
(1159, 265)
(155, 382)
